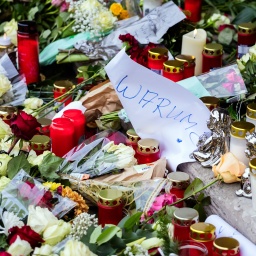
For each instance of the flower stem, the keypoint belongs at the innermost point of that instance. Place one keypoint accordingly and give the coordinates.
(14, 142)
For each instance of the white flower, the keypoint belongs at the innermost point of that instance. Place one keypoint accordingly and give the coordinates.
(39, 219)
(33, 103)
(4, 160)
(152, 243)
(44, 250)
(252, 52)
(5, 84)
(4, 181)
(245, 58)
(105, 20)
(33, 159)
(218, 19)
(10, 28)
(19, 247)
(4, 129)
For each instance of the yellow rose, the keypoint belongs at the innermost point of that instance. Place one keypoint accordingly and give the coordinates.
(4, 129)
(10, 28)
(116, 8)
(33, 103)
(5, 84)
(229, 168)
(4, 160)
(77, 248)
(124, 15)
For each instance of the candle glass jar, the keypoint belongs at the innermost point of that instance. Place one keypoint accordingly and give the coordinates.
(110, 207)
(212, 56)
(183, 218)
(45, 126)
(189, 64)
(194, 7)
(251, 113)
(252, 166)
(28, 51)
(226, 246)
(78, 119)
(6, 113)
(40, 143)
(91, 129)
(156, 58)
(193, 248)
(238, 141)
(246, 38)
(210, 102)
(62, 132)
(173, 70)
(132, 139)
(203, 232)
(147, 151)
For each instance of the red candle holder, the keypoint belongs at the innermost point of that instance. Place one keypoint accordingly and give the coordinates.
(40, 143)
(246, 38)
(226, 246)
(189, 65)
(110, 207)
(173, 70)
(210, 102)
(192, 248)
(212, 56)
(78, 119)
(6, 113)
(28, 51)
(194, 7)
(45, 126)
(156, 58)
(132, 139)
(62, 132)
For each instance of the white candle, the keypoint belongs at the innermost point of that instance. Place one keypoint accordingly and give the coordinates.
(193, 44)
(5, 40)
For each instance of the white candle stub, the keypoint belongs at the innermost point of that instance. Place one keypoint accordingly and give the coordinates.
(5, 40)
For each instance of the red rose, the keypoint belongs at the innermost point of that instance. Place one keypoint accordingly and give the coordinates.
(5, 254)
(24, 125)
(25, 233)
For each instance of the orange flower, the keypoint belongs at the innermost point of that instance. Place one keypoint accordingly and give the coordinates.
(124, 14)
(116, 8)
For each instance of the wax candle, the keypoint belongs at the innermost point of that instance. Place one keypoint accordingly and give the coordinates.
(7, 112)
(210, 102)
(193, 44)
(40, 143)
(226, 246)
(251, 113)
(156, 58)
(5, 40)
(189, 64)
(173, 70)
(194, 7)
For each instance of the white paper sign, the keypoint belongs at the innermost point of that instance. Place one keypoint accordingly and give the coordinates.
(159, 108)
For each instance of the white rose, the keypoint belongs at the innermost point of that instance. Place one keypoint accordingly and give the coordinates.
(90, 5)
(10, 28)
(240, 65)
(4, 129)
(5, 84)
(55, 233)
(252, 52)
(45, 249)
(19, 247)
(37, 160)
(218, 19)
(105, 19)
(39, 219)
(77, 248)
(152, 243)
(4, 181)
(4, 160)
(33, 103)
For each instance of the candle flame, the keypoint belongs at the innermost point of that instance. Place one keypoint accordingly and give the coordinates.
(195, 33)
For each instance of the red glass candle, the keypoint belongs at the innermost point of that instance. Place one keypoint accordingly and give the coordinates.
(40, 143)
(203, 233)
(6, 113)
(28, 51)
(212, 56)
(156, 58)
(132, 139)
(62, 132)
(183, 218)
(192, 248)
(194, 7)
(189, 62)
(91, 129)
(110, 207)
(147, 151)
(78, 119)
(45, 126)
(173, 70)
(210, 102)
(246, 38)
(226, 246)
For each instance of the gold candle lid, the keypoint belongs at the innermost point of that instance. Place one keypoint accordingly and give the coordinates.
(210, 102)
(7, 112)
(40, 142)
(213, 49)
(132, 136)
(247, 28)
(185, 216)
(158, 53)
(179, 180)
(110, 197)
(202, 231)
(252, 165)
(251, 110)
(240, 128)
(188, 60)
(148, 146)
(62, 86)
(173, 66)
(226, 245)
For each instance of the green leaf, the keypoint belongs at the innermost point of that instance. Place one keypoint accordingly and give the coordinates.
(226, 36)
(170, 210)
(145, 233)
(21, 144)
(16, 164)
(59, 22)
(49, 166)
(129, 236)
(107, 234)
(200, 197)
(130, 222)
(46, 33)
(105, 250)
(117, 242)
(32, 12)
(194, 187)
(122, 221)
(95, 234)
(64, 16)
(246, 15)
(206, 201)
(3, 243)
(201, 211)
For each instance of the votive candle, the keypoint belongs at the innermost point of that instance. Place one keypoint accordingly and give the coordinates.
(251, 113)
(189, 65)
(194, 7)
(173, 70)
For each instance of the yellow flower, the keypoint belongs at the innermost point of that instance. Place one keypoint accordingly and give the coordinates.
(116, 8)
(52, 185)
(124, 15)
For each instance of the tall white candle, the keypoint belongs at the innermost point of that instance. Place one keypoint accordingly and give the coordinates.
(193, 44)
(4, 40)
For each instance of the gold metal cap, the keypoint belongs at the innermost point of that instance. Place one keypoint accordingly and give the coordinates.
(240, 128)
(188, 60)
(202, 231)
(179, 180)
(247, 28)
(252, 165)
(185, 216)
(7, 112)
(227, 245)
(148, 146)
(158, 53)
(173, 66)
(213, 49)
(251, 110)
(40, 142)
(210, 102)
(110, 197)
(62, 86)
(132, 135)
